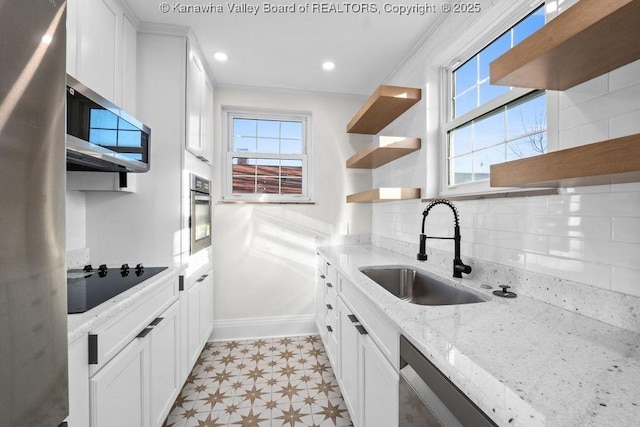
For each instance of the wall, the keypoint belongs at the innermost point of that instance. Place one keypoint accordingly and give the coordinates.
(589, 235)
(264, 253)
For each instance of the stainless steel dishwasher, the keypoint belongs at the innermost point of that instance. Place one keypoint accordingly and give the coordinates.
(428, 398)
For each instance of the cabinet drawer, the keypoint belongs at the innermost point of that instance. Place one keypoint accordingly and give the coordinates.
(382, 331)
(118, 332)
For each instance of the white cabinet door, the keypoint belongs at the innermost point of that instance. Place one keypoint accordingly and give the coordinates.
(195, 84)
(99, 32)
(379, 385)
(119, 394)
(129, 67)
(164, 366)
(349, 358)
(79, 383)
(199, 109)
(193, 324)
(206, 307)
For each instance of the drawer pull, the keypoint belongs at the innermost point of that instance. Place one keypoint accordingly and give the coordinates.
(329, 285)
(322, 276)
(156, 321)
(329, 328)
(329, 307)
(93, 349)
(144, 332)
(361, 329)
(353, 318)
(328, 263)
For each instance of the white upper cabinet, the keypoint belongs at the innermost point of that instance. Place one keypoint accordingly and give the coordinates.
(199, 109)
(101, 49)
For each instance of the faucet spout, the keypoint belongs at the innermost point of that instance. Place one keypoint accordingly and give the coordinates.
(458, 266)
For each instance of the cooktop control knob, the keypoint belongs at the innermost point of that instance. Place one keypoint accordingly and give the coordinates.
(87, 268)
(102, 270)
(139, 269)
(124, 270)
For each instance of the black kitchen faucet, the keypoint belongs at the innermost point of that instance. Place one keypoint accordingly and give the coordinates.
(458, 266)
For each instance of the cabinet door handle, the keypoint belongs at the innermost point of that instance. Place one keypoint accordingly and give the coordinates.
(156, 321)
(329, 307)
(93, 349)
(144, 333)
(322, 276)
(204, 276)
(353, 318)
(361, 329)
(328, 263)
(329, 285)
(329, 328)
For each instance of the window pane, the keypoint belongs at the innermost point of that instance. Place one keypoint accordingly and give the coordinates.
(291, 168)
(103, 137)
(128, 138)
(466, 76)
(244, 184)
(467, 102)
(461, 140)
(103, 119)
(268, 145)
(528, 146)
(484, 158)
(268, 185)
(268, 129)
(291, 130)
(461, 170)
(489, 91)
(489, 130)
(491, 52)
(527, 116)
(290, 146)
(291, 186)
(244, 127)
(244, 145)
(528, 26)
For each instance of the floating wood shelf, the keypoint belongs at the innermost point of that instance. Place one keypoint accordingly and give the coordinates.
(385, 105)
(589, 39)
(382, 150)
(386, 194)
(607, 162)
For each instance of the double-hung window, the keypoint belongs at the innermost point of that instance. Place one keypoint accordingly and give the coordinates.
(267, 156)
(489, 124)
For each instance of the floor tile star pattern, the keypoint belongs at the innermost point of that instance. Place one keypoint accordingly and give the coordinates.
(269, 382)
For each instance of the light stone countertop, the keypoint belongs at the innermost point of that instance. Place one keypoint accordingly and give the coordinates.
(522, 361)
(79, 325)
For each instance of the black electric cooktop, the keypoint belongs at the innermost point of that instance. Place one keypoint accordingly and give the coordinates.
(89, 287)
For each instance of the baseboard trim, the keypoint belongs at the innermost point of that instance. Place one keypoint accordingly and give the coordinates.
(242, 329)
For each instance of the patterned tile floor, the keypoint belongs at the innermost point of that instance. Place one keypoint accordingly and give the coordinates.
(264, 382)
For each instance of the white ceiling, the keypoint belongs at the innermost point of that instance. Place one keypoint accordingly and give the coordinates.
(286, 50)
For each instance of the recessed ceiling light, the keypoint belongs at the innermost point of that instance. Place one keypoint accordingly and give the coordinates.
(221, 56)
(328, 65)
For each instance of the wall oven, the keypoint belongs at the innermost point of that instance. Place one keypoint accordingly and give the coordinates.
(428, 398)
(200, 215)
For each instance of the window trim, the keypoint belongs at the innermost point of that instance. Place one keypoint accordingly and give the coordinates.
(448, 122)
(230, 113)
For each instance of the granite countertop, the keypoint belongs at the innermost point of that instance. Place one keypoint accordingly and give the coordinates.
(79, 325)
(522, 361)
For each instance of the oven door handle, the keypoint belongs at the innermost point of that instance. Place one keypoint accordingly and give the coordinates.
(202, 198)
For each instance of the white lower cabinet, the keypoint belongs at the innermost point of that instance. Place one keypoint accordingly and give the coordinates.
(379, 387)
(366, 354)
(119, 394)
(164, 364)
(137, 362)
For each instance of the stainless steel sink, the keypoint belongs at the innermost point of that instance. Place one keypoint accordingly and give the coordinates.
(418, 287)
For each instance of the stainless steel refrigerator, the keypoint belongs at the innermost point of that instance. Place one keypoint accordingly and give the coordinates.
(33, 302)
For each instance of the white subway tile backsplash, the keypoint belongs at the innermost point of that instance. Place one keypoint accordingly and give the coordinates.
(626, 280)
(626, 229)
(625, 124)
(604, 204)
(508, 257)
(584, 134)
(598, 275)
(584, 92)
(599, 251)
(598, 228)
(625, 76)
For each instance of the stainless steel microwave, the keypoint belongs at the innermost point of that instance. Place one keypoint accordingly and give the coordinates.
(200, 218)
(101, 136)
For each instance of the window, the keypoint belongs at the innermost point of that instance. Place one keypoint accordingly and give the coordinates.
(267, 157)
(492, 124)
